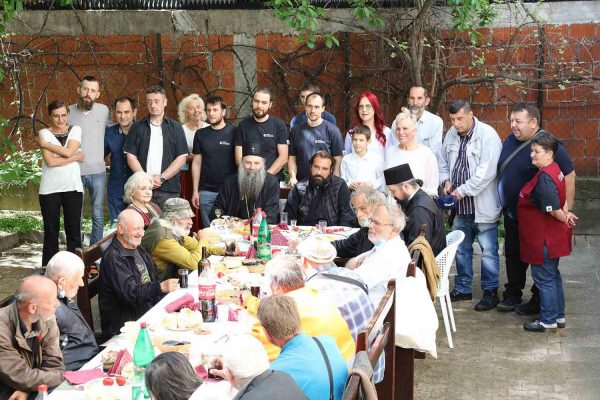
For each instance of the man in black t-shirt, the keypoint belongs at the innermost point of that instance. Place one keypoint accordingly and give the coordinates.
(311, 136)
(267, 130)
(214, 158)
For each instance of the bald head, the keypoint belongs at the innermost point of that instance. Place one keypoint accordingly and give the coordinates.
(130, 228)
(36, 298)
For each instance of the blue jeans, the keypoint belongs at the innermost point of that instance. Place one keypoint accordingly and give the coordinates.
(207, 200)
(114, 196)
(549, 283)
(487, 236)
(96, 185)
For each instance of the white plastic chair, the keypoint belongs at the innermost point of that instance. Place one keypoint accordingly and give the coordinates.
(444, 261)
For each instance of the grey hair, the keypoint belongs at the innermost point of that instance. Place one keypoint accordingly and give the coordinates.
(245, 357)
(372, 197)
(63, 264)
(406, 115)
(133, 183)
(396, 216)
(285, 274)
(183, 104)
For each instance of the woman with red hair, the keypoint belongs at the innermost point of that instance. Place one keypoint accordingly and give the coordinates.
(368, 112)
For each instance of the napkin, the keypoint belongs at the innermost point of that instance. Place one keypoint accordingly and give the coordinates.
(82, 376)
(251, 253)
(283, 226)
(122, 358)
(203, 373)
(185, 301)
(277, 238)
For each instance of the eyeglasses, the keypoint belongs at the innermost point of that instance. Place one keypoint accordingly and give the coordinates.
(378, 224)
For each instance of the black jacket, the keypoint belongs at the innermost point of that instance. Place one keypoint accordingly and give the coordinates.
(77, 340)
(230, 203)
(271, 385)
(421, 209)
(355, 244)
(123, 297)
(174, 145)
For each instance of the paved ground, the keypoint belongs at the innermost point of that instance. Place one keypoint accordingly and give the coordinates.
(493, 357)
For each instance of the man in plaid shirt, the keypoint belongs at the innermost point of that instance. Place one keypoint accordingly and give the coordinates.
(343, 286)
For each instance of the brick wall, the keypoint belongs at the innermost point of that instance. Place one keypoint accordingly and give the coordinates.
(203, 64)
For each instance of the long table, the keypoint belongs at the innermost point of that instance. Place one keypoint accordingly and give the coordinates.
(210, 345)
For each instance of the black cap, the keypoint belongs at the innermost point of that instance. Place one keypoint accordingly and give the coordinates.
(398, 174)
(251, 149)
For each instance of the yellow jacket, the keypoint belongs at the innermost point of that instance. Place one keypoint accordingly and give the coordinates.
(318, 316)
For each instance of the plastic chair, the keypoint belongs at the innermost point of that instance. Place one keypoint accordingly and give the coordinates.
(444, 261)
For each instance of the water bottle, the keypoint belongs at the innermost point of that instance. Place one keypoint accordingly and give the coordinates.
(42, 392)
(264, 241)
(143, 354)
(255, 225)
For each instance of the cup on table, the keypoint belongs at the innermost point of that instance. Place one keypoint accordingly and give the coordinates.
(255, 290)
(183, 278)
(293, 224)
(222, 312)
(283, 217)
(322, 225)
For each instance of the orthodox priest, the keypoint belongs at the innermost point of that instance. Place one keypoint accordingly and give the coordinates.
(418, 206)
(251, 188)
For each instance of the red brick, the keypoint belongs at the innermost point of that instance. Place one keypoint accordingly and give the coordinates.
(580, 31)
(565, 94)
(586, 166)
(585, 129)
(561, 129)
(593, 111)
(575, 147)
(502, 34)
(592, 148)
(223, 61)
(572, 111)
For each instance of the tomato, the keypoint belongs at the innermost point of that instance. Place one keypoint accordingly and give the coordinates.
(108, 382)
(220, 275)
(121, 380)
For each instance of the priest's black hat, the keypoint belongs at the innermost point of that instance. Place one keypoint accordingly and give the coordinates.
(251, 149)
(398, 174)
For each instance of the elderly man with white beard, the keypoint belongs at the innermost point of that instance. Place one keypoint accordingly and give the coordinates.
(129, 283)
(389, 258)
(167, 240)
(251, 188)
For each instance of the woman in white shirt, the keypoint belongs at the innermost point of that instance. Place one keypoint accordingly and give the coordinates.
(60, 186)
(421, 159)
(368, 112)
(192, 114)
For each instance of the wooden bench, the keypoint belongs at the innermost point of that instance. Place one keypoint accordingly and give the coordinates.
(90, 286)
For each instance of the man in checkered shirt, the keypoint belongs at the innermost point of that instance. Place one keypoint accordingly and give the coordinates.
(342, 286)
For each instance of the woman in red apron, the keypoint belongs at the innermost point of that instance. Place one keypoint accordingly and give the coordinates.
(545, 229)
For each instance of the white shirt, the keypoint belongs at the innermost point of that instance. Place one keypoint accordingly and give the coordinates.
(423, 165)
(368, 168)
(189, 135)
(387, 261)
(66, 178)
(155, 151)
(430, 130)
(375, 145)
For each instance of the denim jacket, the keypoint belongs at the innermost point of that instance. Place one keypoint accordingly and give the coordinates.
(483, 151)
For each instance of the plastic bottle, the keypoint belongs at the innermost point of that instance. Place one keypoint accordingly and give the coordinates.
(207, 286)
(42, 392)
(143, 354)
(264, 241)
(255, 225)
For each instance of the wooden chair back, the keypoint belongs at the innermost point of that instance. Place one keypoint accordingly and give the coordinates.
(90, 286)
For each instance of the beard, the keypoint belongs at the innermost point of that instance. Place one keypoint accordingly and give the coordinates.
(364, 222)
(258, 114)
(251, 182)
(318, 180)
(84, 103)
(131, 240)
(416, 110)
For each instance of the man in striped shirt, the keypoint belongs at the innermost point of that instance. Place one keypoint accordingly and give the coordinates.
(468, 161)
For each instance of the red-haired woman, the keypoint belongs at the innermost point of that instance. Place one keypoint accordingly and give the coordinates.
(368, 112)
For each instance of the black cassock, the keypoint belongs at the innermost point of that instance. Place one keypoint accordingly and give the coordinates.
(231, 203)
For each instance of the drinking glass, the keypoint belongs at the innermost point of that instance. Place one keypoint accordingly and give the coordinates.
(293, 223)
(283, 217)
(218, 212)
(322, 225)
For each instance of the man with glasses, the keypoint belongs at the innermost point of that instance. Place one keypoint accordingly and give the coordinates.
(364, 200)
(389, 258)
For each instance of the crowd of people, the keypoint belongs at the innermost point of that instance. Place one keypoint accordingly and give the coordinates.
(169, 178)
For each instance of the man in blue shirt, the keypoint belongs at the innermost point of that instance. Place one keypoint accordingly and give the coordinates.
(513, 173)
(305, 90)
(114, 140)
(315, 363)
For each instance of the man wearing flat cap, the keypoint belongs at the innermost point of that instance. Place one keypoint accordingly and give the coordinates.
(419, 207)
(251, 188)
(167, 240)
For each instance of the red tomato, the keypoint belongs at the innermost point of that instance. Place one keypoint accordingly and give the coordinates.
(108, 382)
(220, 275)
(121, 380)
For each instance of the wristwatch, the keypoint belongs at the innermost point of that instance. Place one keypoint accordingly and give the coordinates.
(162, 179)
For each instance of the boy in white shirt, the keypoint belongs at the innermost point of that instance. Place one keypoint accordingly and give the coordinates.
(362, 167)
